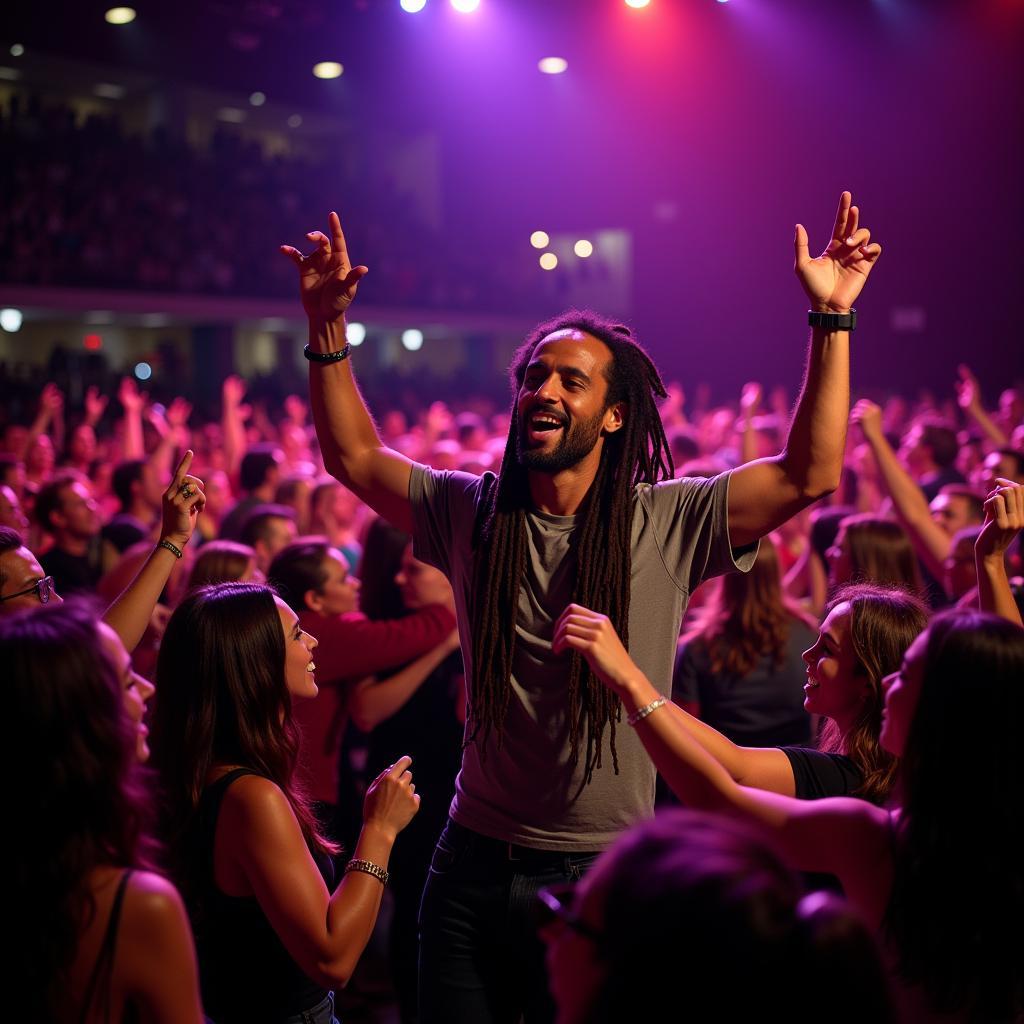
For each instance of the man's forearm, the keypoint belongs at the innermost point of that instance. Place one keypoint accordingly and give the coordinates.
(813, 459)
(343, 424)
(994, 594)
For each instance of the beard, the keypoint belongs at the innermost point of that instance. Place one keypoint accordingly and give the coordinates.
(575, 444)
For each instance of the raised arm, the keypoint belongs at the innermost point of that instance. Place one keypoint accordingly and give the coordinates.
(352, 451)
(1004, 518)
(183, 500)
(968, 395)
(324, 933)
(930, 541)
(836, 835)
(765, 493)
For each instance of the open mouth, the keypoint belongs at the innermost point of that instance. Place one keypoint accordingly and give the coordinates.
(311, 667)
(541, 426)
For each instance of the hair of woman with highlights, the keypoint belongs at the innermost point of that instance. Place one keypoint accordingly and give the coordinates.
(77, 796)
(884, 623)
(713, 899)
(637, 453)
(223, 700)
(880, 552)
(220, 561)
(748, 617)
(958, 889)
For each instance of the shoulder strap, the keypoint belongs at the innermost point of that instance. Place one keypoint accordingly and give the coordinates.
(103, 970)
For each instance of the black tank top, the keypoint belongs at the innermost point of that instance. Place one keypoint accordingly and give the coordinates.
(245, 972)
(98, 989)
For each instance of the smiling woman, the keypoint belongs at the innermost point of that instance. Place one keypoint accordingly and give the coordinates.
(248, 853)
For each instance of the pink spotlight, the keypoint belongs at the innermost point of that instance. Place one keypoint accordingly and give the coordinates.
(465, 6)
(637, 3)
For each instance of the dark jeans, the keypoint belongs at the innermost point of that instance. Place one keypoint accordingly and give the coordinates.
(481, 960)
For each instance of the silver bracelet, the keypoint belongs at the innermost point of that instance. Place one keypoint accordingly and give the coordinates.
(641, 713)
(370, 868)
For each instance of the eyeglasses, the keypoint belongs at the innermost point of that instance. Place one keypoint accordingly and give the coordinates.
(554, 904)
(41, 588)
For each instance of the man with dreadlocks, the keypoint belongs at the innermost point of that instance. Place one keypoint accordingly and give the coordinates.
(583, 511)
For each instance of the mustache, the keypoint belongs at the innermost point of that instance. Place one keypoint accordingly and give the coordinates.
(553, 413)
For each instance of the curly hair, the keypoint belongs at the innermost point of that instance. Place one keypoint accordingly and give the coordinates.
(637, 453)
(79, 798)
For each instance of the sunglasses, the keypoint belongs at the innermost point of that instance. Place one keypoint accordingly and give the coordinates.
(554, 903)
(41, 588)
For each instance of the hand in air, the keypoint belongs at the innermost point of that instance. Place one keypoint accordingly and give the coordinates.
(327, 280)
(968, 392)
(1004, 518)
(592, 634)
(868, 416)
(834, 279)
(182, 502)
(392, 800)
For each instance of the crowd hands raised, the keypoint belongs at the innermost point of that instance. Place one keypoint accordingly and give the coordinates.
(871, 759)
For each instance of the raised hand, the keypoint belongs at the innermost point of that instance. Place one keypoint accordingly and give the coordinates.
(392, 800)
(232, 391)
(295, 409)
(592, 634)
(968, 392)
(1004, 518)
(327, 280)
(750, 398)
(182, 502)
(95, 405)
(51, 401)
(131, 399)
(834, 279)
(868, 416)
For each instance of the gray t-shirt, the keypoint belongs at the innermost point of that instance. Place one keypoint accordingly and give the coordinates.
(528, 791)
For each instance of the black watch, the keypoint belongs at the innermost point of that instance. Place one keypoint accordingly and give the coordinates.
(833, 321)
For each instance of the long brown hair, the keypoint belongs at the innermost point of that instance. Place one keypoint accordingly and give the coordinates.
(636, 453)
(77, 793)
(883, 623)
(748, 617)
(224, 700)
(880, 552)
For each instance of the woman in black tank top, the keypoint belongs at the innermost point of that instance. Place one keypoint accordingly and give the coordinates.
(248, 853)
(87, 929)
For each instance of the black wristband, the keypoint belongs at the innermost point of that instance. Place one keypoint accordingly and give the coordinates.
(833, 321)
(327, 357)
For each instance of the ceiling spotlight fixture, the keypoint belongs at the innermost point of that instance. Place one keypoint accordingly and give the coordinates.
(412, 339)
(355, 333)
(583, 248)
(143, 371)
(548, 261)
(17, 49)
(257, 99)
(120, 15)
(328, 69)
(11, 320)
(465, 6)
(637, 3)
(539, 239)
(294, 120)
(553, 65)
(412, 6)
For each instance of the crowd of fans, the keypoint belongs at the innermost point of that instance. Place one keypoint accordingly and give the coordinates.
(76, 191)
(791, 685)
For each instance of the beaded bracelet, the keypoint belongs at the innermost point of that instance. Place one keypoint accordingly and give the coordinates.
(641, 713)
(370, 868)
(173, 548)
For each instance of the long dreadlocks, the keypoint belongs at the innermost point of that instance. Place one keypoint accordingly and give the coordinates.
(637, 453)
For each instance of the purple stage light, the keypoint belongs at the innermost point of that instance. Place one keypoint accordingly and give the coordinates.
(465, 6)
(412, 6)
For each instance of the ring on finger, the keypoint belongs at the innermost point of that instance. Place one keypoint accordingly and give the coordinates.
(187, 490)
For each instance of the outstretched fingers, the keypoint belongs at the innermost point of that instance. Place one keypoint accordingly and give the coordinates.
(803, 255)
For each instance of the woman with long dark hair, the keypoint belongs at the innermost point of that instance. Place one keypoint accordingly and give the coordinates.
(98, 936)
(870, 549)
(248, 853)
(940, 875)
(862, 639)
(739, 666)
